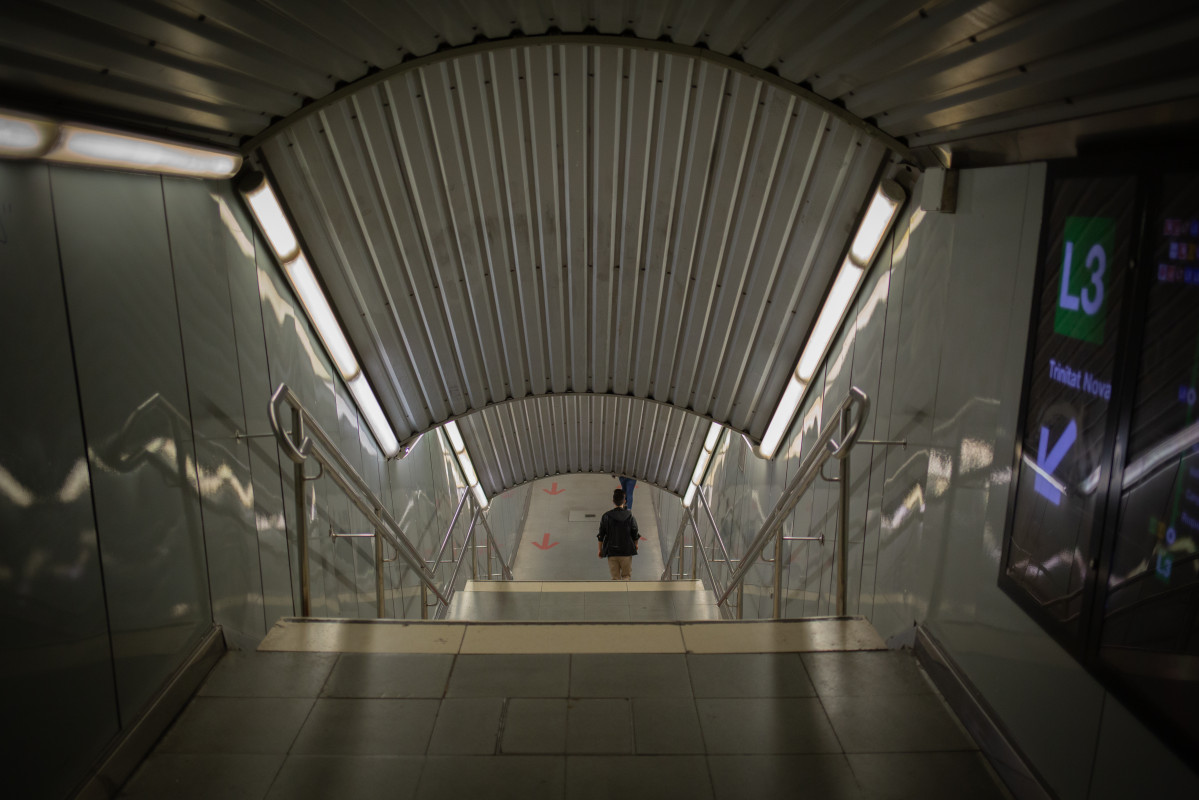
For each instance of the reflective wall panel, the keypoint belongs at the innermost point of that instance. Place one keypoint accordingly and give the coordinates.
(121, 295)
(203, 251)
(59, 696)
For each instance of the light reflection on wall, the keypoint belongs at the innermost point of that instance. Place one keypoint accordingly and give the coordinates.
(283, 310)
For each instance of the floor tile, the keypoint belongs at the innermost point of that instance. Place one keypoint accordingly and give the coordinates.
(929, 776)
(368, 727)
(895, 723)
(599, 726)
(202, 776)
(492, 777)
(236, 725)
(607, 613)
(505, 675)
(629, 675)
(782, 636)
(313, 777)
(556, 611)
(637, 777)
(534, 726)
(467, 726)
(766, 725)
(578, 638)
(866, 673)
(748, 675)
(250, 674)
(389, 675)
(666, 725)
(776, 777)
(338, 636)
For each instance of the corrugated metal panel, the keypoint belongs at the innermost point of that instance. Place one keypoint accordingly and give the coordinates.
(523, 440)
(587, 218)
(933, 71)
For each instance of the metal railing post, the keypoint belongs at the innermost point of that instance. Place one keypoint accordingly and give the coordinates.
(424, 601)
(695, 545)
(381, 600)
(778, 575)
(297, 435)
(474, 560)
(740, 601)
(843, 523)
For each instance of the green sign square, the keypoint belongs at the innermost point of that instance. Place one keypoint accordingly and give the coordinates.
(1088, 250)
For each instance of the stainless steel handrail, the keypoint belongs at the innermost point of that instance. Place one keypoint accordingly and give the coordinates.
(700, 552)
(330, 458)
(436, 562)
(823, 449)
(699, 491)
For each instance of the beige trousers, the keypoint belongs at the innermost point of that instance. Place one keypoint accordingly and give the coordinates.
(620, 568)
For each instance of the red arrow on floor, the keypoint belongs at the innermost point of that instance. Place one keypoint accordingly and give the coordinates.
(554, 490)
(545, 541)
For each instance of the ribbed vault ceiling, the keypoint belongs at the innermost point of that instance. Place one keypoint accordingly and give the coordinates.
(588, 228)
(591, 217)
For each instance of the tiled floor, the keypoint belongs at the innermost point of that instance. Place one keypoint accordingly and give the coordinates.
(835, 724)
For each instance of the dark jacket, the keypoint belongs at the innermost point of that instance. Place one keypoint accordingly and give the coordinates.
(618, 533)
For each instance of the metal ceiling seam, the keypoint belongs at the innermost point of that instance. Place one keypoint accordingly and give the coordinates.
(604, 133)
(527, 292)
(1106, 55)
(637, 140)
(782, 217)
(402, 227)
(762, 180)
(462, 213)
(683, 260)
(485, 183)
(873, 98)
(376, 137)
(424, 202)
(669, 171)
(544, 175)
(574, 89)
(727, 181)
(403, 373)
(1077, 108)
(733, 64)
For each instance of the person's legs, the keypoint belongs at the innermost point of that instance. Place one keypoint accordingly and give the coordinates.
(626, 567)
(614, 567)
(628, 484)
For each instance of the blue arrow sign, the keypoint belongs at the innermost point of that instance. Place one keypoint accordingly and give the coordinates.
(1048, 459)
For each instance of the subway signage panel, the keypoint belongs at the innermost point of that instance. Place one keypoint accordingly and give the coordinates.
(1102, 538)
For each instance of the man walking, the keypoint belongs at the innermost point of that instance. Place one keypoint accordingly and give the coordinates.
(618, 538)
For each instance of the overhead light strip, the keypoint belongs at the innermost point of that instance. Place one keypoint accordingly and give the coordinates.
(876, 223)
(272, 221)
(464, 463)
(30, 136)
(701, 463)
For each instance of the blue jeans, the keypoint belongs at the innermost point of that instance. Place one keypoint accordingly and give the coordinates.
(628, 484)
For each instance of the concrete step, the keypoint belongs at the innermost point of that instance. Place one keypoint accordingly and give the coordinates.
(830, 634)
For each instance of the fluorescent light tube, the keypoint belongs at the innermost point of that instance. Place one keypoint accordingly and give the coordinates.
(468, 469)
(23, 136)
(701, 465)
(876, 223)
(479, 495)
(303, 281)
(687, 498)
(96, 147)
(831, 314)
(783, 415)
(272, 221)
(375, 418)
(713, 436)
(451, 430)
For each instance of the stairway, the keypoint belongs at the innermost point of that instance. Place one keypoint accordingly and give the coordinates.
(594, 601)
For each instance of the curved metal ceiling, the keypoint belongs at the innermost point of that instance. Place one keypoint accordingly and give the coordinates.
(551, 235)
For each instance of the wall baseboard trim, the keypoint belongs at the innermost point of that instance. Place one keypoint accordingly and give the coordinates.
(980, 720)
(137, 740)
